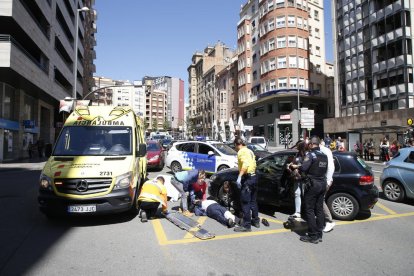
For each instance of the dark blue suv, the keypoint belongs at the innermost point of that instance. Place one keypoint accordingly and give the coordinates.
(352, 191)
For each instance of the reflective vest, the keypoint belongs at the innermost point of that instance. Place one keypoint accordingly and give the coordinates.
(154, 191)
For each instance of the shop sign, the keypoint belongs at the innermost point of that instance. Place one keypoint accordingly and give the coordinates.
(29, 123)
(410, 121)
(285, 117)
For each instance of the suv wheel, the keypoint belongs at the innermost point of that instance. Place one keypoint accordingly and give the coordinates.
(222, 167)
(393, 191)
(343, 206)
(176, 167)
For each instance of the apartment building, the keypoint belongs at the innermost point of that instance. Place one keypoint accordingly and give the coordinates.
(170, 113)
(37, 67)
(281, 63)
(374, 65)
(203, 90)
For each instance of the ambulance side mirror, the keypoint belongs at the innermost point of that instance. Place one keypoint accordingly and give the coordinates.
(142, 150)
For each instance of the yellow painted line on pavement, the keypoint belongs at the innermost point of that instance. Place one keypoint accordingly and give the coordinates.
(159, 232)
(377, 214)
(229, 236)
(200, 221)
(274, 220)
(162, 238)
(376, 218)
(386, 209)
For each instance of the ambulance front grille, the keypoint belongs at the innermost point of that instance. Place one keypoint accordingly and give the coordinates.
(83, 186)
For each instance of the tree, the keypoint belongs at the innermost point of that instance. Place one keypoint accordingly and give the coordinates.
(154, 124)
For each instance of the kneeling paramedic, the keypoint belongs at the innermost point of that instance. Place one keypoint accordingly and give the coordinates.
(153, 193)
(247, 183)
(314, 166)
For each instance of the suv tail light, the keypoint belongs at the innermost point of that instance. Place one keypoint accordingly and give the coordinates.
(366, 180)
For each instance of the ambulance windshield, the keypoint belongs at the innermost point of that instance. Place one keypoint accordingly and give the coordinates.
(94, 141)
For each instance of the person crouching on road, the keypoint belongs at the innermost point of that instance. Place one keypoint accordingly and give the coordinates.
(217, 212)
(198, 192)
(247, 184)
(314, 166)
(182, 181)
(153, 193)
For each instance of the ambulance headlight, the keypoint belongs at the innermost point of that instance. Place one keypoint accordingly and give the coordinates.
(45, 182)
(123, 181)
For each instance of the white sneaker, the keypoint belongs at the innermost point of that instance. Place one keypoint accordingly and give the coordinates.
(296, 215)
(329, 227)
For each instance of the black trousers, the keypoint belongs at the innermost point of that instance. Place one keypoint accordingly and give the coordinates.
(150, 208)
(315, 217)
(216, 211)
(248, 198)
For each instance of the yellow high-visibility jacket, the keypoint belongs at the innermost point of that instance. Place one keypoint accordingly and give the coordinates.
(154, 191)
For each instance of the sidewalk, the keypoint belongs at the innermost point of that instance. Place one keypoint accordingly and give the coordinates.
(24, 164)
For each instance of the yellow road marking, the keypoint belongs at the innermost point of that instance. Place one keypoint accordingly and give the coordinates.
(229, 236)
(376, 214)
(163, 240)
(275, 221)
(386, 209)
(376, 218)
(159, 232)
(200, 221)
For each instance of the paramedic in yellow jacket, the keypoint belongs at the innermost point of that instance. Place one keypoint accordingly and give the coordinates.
(153, 193)
(247, 183)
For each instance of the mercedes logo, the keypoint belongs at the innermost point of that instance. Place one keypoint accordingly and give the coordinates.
(82, 186)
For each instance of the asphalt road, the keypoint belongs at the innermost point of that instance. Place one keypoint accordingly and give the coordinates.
(379, 243)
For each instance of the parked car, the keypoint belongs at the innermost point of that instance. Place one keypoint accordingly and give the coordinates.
(397, 178)
(208, 156)
(155, 155)
(166, 143)
(352, 191)
(259, 151)
(260, 140)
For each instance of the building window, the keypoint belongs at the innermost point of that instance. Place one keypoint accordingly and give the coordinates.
(292, 61)
(282, 83)
(293, 82)
(281, 42)
(281, 62)
(270, 108)
(284, 106)
(291, 20)
(292, 41)
(258, 111)
(318, 51)
(280, 21)
(316, 15)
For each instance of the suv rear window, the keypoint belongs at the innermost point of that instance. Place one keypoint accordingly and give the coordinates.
(362, 162)
(187, 147)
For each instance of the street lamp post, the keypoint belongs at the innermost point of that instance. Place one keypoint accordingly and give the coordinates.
(75, 66)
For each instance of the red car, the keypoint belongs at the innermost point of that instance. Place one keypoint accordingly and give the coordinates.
(155, 155)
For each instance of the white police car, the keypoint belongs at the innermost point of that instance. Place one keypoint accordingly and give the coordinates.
(209, 156)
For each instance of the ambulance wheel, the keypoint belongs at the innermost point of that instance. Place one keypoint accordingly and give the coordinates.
(135, 204)
(176, 167)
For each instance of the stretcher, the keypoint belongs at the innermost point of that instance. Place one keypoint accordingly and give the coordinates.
(190, 225)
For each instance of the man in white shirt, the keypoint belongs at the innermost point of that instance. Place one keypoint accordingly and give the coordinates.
(329, 224)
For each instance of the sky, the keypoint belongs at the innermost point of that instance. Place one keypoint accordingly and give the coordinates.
(138, 38)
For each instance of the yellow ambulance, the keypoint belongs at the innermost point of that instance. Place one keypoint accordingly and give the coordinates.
(97, 165)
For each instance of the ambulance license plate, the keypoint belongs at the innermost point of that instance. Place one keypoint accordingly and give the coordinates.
(82, 208)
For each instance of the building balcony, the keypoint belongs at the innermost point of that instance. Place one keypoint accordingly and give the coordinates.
(384, 92)
(376, 93)
(388, 9)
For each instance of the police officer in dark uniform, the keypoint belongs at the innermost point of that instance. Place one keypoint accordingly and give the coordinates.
(314, 166)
